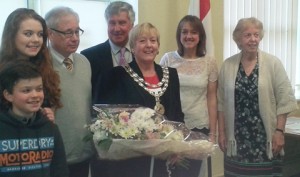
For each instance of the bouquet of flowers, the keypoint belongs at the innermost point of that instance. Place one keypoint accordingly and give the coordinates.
(127, 131)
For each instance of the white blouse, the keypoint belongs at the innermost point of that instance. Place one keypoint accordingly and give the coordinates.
(194, 75)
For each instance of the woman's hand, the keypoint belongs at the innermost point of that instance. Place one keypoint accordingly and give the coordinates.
(278, 136)
(222, 141)
(221, 130)
(49, 113)
(277, 142)
(212, 137)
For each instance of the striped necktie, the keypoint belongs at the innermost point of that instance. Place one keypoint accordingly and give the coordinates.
(122, 60)
(68, 63)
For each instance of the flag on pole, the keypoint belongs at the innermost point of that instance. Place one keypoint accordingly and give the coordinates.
(201, 9)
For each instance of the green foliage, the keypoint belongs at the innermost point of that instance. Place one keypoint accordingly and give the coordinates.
(105, 144)
(88, 137)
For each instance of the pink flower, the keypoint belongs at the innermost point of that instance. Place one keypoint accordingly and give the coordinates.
(124, 117)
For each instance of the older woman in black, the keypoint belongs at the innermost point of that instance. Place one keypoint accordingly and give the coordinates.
(145, 83)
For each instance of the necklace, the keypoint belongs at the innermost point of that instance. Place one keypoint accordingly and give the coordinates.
(163, 84)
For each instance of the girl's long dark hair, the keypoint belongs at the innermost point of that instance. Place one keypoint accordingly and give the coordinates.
(9, 53)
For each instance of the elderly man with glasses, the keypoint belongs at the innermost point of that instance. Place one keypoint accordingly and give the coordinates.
(75, 83)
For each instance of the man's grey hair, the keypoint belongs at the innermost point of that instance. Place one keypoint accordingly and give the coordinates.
(114, 8)
(53, 17)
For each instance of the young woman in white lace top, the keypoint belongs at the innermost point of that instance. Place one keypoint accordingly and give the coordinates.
(198, 76)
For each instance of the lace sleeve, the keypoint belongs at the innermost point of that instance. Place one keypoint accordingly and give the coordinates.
(169, 59)
(164, 60)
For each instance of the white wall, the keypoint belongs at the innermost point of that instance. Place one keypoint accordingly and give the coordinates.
(6, 7)
(91, 14)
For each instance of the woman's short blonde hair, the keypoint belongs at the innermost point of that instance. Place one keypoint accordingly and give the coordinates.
(140, 29)
(243, 24)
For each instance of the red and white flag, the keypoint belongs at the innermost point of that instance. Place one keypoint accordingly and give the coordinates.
(201, 9)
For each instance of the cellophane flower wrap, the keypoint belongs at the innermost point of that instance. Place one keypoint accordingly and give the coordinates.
(127, 131)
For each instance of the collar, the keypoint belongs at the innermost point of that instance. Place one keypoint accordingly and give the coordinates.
(24, 120)
(158, 69)
(57, 56)
(115, 49)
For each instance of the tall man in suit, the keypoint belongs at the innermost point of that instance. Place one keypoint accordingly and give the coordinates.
(75, 75)
(120, 19)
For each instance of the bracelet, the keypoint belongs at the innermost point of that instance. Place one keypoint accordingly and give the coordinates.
(279, 130)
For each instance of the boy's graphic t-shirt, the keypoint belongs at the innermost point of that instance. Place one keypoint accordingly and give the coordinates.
(26, 154)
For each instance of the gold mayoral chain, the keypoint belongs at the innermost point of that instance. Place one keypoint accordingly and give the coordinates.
(163, 84)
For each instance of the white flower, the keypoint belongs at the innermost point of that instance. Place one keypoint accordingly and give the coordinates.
(99, 135)
(140, 123)
(95, 126)
(128, 132)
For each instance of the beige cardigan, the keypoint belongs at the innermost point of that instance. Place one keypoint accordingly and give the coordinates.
(275, 95)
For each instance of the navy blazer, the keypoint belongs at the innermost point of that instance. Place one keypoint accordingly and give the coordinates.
(117, 87)
(100, 59)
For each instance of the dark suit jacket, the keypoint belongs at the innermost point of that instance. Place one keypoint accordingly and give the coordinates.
(117, 87)
(100, 59)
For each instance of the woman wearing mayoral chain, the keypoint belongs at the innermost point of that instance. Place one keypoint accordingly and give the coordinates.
(142, 81)
(145, 83)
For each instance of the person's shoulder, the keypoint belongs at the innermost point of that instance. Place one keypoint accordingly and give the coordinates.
(268, 56)
(269, 60)
(79, 56)
(210, 59)
(171, 55)
(96, 48)
(3, 116)
(41, 120)
(118, 70)
(234, 58)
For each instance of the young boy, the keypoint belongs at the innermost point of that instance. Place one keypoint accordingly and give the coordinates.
(30, 145)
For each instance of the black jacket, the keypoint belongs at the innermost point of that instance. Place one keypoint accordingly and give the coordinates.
(100, 59)
(33, 150)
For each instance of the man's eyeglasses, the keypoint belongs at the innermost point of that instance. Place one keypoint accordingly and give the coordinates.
(69, 34)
